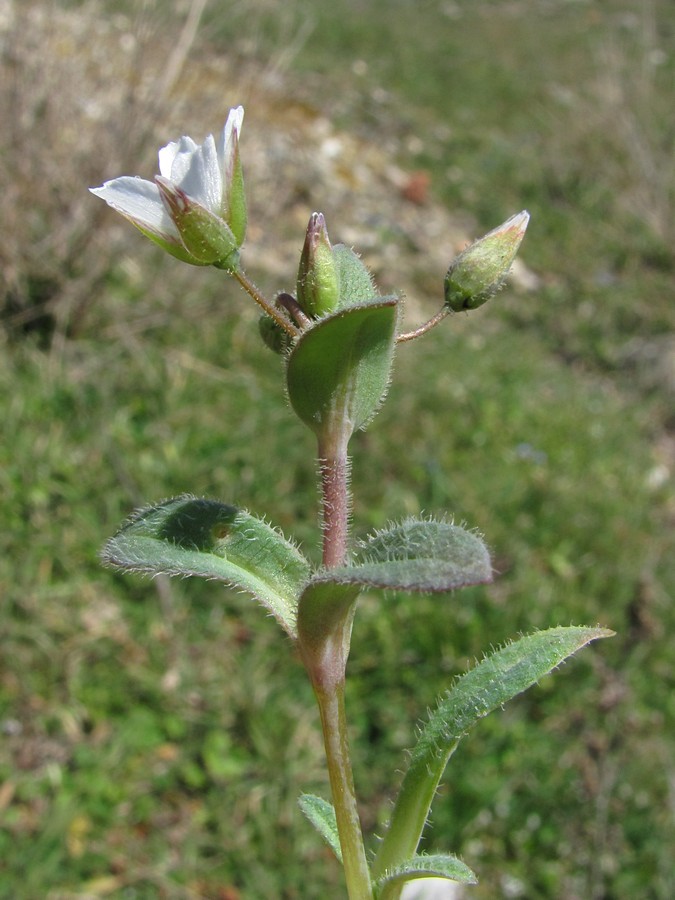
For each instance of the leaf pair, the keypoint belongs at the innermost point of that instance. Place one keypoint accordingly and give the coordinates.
(192, 536)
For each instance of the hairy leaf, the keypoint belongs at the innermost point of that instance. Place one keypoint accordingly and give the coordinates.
(191, 536)
(418, 555)
(338, 371)
(438, 865)
(487, 686)
(355, 281)
(322, 816)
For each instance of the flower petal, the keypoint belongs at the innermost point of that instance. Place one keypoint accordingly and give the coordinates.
(140, 202)
(202, 181)
(226, 143)
(174, 159)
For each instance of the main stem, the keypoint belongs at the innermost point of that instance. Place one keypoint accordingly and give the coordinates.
(335, 500)
(329, 678)
(334, 723)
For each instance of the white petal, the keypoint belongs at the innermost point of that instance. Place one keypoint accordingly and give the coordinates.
(202, 181)
(174, 159)
(234, 122)
(140, 201)
(225, 148)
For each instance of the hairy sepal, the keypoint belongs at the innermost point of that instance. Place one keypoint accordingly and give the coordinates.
(187, 535)
(498, 678)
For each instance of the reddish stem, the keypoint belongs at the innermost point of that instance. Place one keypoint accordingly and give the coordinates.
(335, 501)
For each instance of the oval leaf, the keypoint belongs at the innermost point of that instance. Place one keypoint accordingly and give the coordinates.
(191, 536)
(338, 371)
(487, 686)
(417, 555)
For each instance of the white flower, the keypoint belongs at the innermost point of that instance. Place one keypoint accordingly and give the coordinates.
(195, 208)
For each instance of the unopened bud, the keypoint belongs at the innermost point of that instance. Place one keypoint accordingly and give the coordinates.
(480, 270)
(318, 285)
(273, 335)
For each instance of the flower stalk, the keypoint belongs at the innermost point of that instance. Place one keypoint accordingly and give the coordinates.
(268, 308)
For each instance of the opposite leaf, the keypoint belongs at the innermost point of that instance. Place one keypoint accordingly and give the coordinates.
(191, 536)
(418, 555)
(438, 865)
(486, 687)
(322, 816)
(355, 280)
(338, 372)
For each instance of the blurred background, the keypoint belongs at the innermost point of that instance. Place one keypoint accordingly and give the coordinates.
(155, 735)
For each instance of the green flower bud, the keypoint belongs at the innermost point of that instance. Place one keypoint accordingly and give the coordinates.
(273, 335)
(318, 285)
(480, 270)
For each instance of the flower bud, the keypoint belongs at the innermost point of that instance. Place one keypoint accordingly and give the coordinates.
(318, 284)
(273, 335)
(480, 270)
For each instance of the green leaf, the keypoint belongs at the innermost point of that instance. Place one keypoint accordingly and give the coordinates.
(338, 371)
(418, 555)
(322, 816)
(191, 536)
(415, 556)
(438, 865)
(487, 686)
(355, 281)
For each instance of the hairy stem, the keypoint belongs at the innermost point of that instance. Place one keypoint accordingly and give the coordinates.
(327, 667)
(262, 301)
(335, 500)
(422, 329)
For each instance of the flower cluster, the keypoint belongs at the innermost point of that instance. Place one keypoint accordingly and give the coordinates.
(195, 209)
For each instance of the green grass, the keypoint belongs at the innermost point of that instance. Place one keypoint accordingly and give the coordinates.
(156, 736)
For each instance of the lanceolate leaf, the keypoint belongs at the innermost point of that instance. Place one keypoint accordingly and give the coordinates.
(438, 865)
(487, 686)
(192, 536)
(338, 371)
(322, 816)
